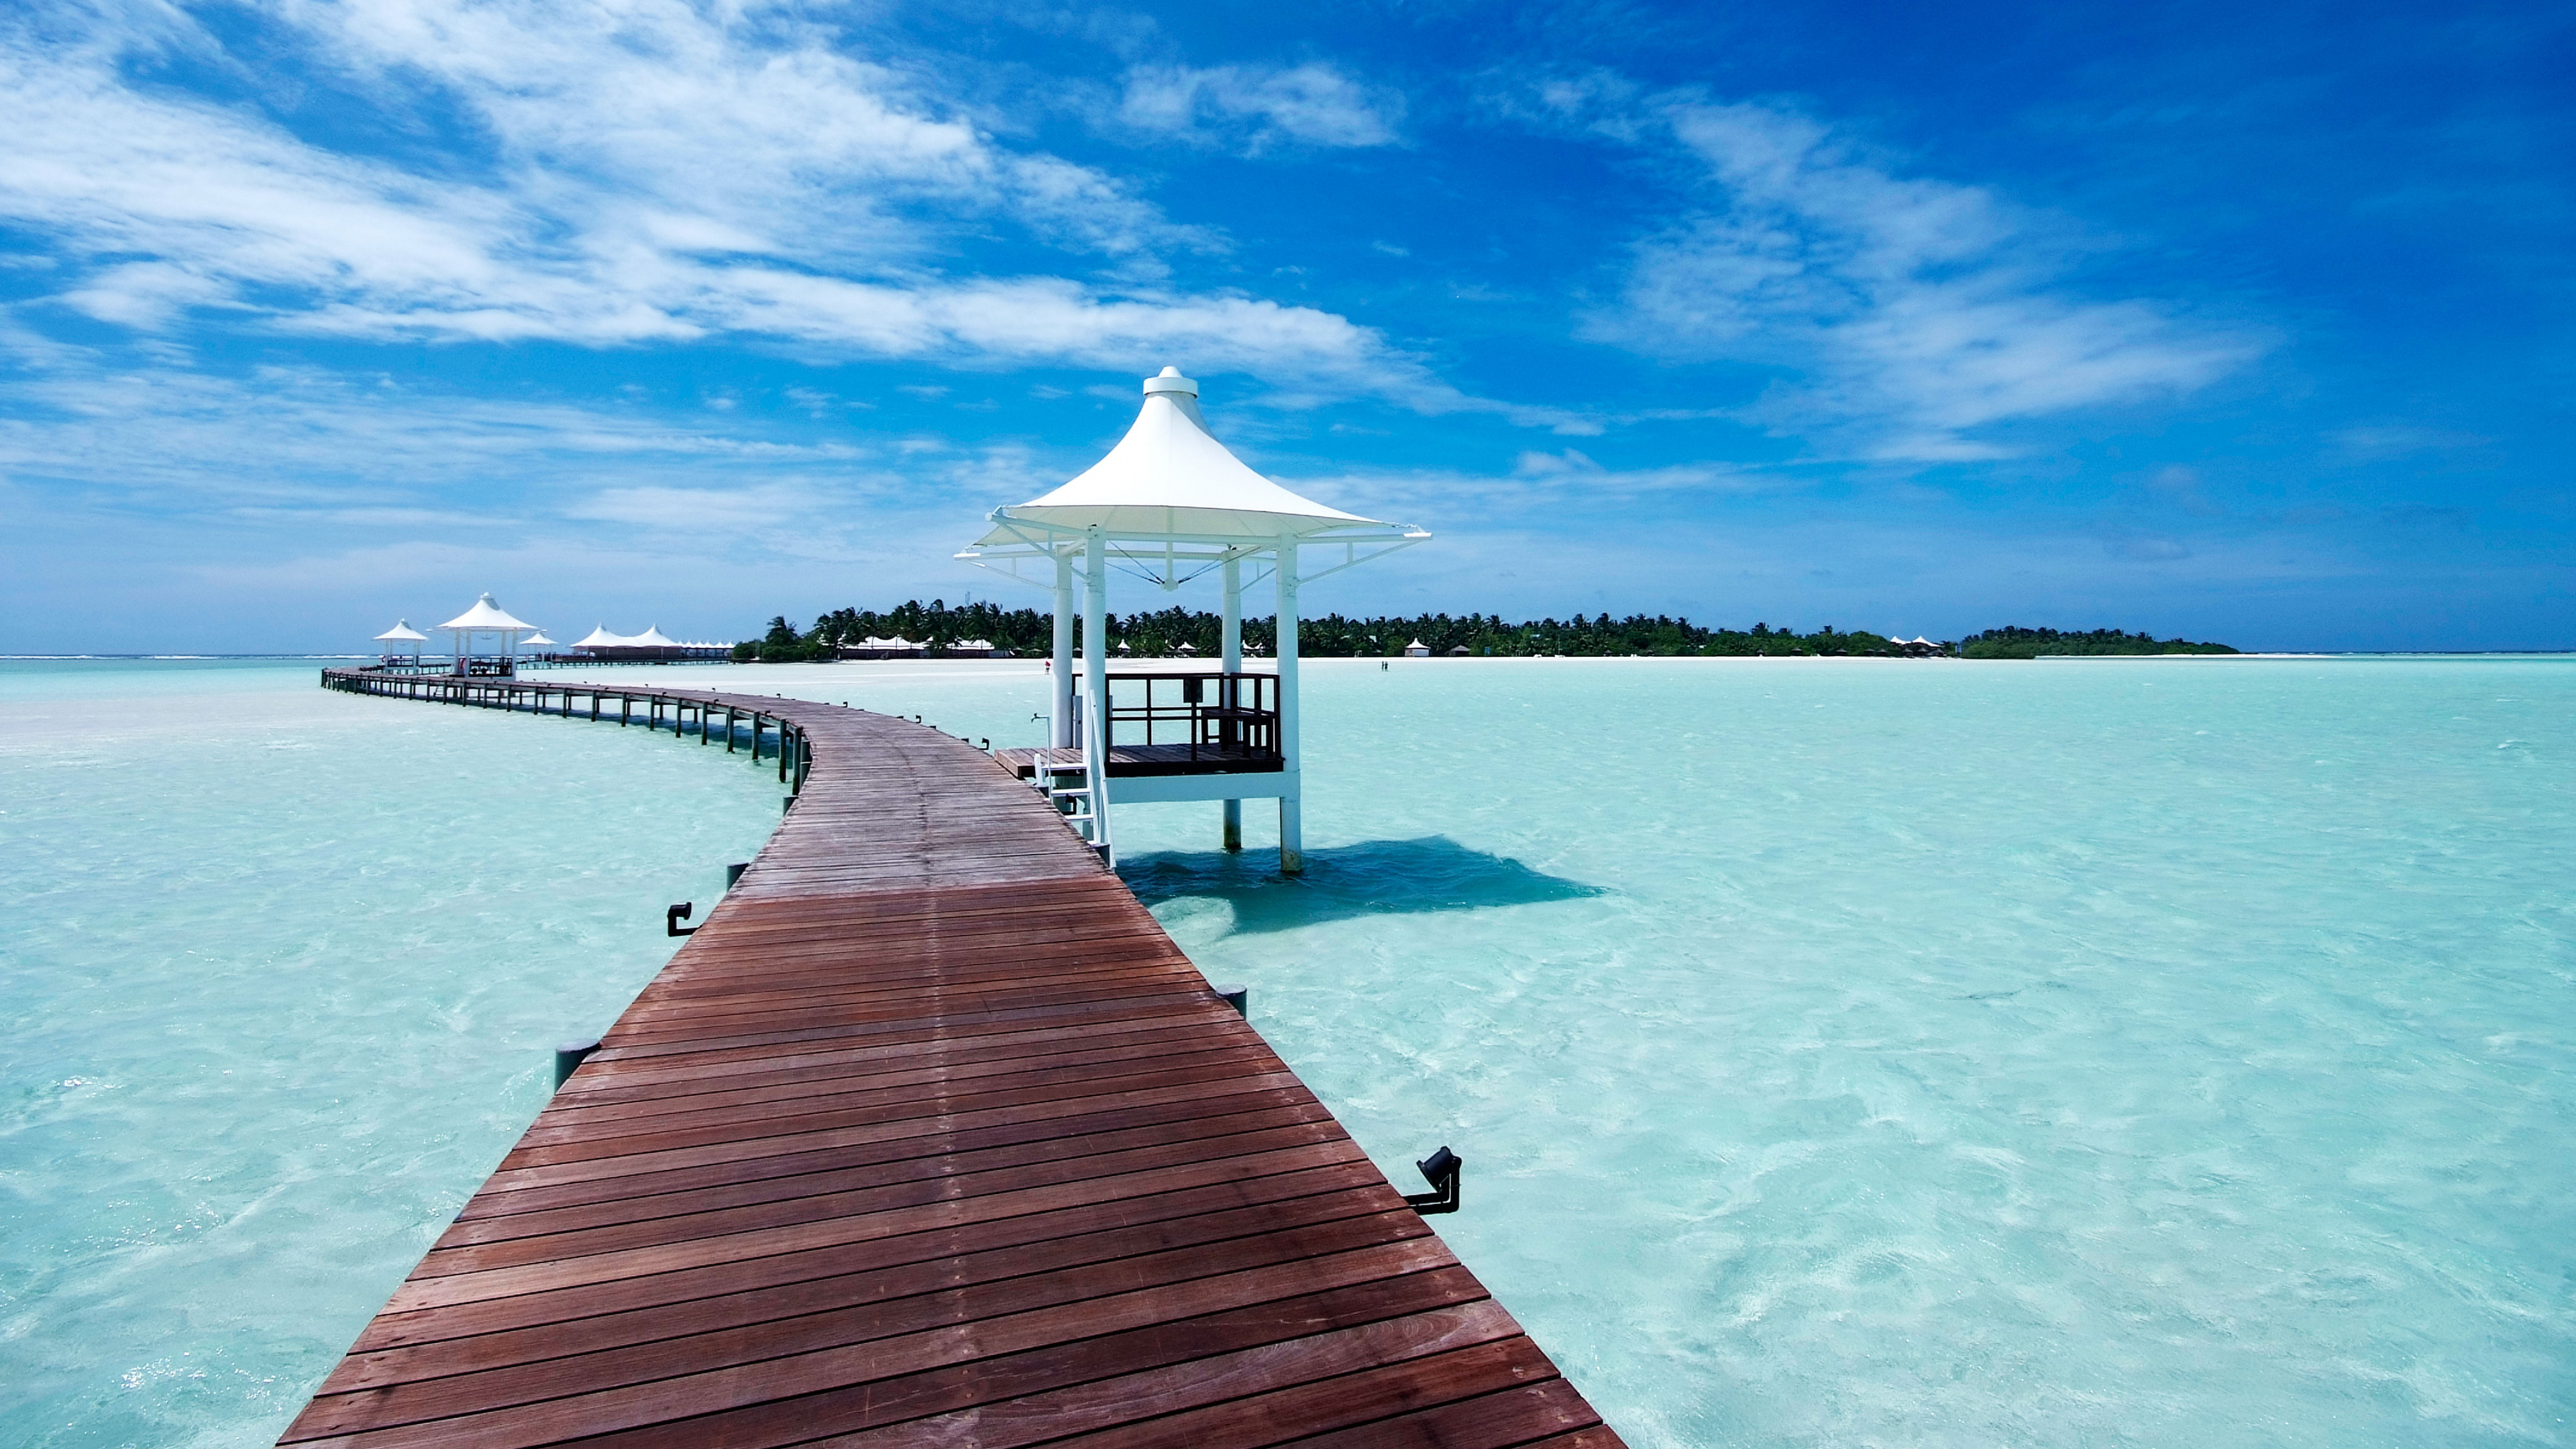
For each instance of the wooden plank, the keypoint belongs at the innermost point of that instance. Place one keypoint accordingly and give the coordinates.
(930, 1134)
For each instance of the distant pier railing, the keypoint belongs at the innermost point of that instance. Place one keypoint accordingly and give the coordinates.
(685, 713)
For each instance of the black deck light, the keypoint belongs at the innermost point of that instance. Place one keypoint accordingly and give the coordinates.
(672, 918)
(569, 1056)
(1440, 1170)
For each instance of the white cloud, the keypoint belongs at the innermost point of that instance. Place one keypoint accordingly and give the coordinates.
(758, 507)
(2181, 487)
(321, 443)
(2393, 440)
(1256, 108)
(1540, 489)
(656, 173)
(1910, 313)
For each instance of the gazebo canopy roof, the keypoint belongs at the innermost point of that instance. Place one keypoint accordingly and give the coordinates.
(1169, 477)
(598, 637)
(403, 633)
(653, 638)
(538, 637)
(486, 615)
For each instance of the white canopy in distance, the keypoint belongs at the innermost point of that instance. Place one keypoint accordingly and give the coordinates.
(403, 633)
(600, 637)
(653, 638)
(539, 637)
(487, 616)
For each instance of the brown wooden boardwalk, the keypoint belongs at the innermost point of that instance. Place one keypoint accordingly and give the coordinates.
(932, 1136)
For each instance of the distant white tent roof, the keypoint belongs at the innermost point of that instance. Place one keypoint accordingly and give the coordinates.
(654, 638)
(1170, 476)
(402, 632)
(538, 637)
(486, 615)
(599, 637)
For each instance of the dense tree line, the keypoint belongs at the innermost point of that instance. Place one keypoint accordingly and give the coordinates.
(2015, 642)
(1160, 634)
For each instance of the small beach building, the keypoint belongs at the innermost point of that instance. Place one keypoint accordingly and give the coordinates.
(650, 647)
(1170, 504)
(873, 647)
(1417, 650)
(486, 638)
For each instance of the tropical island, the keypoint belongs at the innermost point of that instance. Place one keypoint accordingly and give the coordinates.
(936, 628)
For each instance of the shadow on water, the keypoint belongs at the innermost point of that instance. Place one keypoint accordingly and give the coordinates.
(1375, 877)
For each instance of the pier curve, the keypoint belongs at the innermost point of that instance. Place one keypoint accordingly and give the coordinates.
(928, 1134)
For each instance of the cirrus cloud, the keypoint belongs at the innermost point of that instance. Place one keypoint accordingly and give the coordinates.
(1908, 316)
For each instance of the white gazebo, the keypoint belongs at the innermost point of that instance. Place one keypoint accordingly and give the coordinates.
(401, 634)
(486, 618)
(1168, 505)
(600, 638)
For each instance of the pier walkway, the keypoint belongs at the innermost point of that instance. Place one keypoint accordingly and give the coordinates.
(929, 1135)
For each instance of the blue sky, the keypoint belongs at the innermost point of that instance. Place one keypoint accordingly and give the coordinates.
(2241, 322)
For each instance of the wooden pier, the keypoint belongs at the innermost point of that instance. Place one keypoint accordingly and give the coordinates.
(929, 1135)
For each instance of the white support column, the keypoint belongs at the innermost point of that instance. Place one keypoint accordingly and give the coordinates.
(1229, 643)
(1095, 642)
(1060, 715)
(1292, 831)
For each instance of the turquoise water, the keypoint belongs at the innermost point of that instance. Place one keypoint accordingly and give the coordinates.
(2114, 1052)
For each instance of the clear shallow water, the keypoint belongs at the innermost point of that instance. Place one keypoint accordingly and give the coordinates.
(281, 976)
(2111, 1052)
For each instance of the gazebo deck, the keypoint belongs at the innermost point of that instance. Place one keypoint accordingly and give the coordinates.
(1135, 761)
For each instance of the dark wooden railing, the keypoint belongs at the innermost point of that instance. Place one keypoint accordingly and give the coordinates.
(1221, 714)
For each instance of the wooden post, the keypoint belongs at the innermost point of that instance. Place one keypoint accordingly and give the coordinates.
(1292, 809)
(1229, 644)
(1060, 710)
